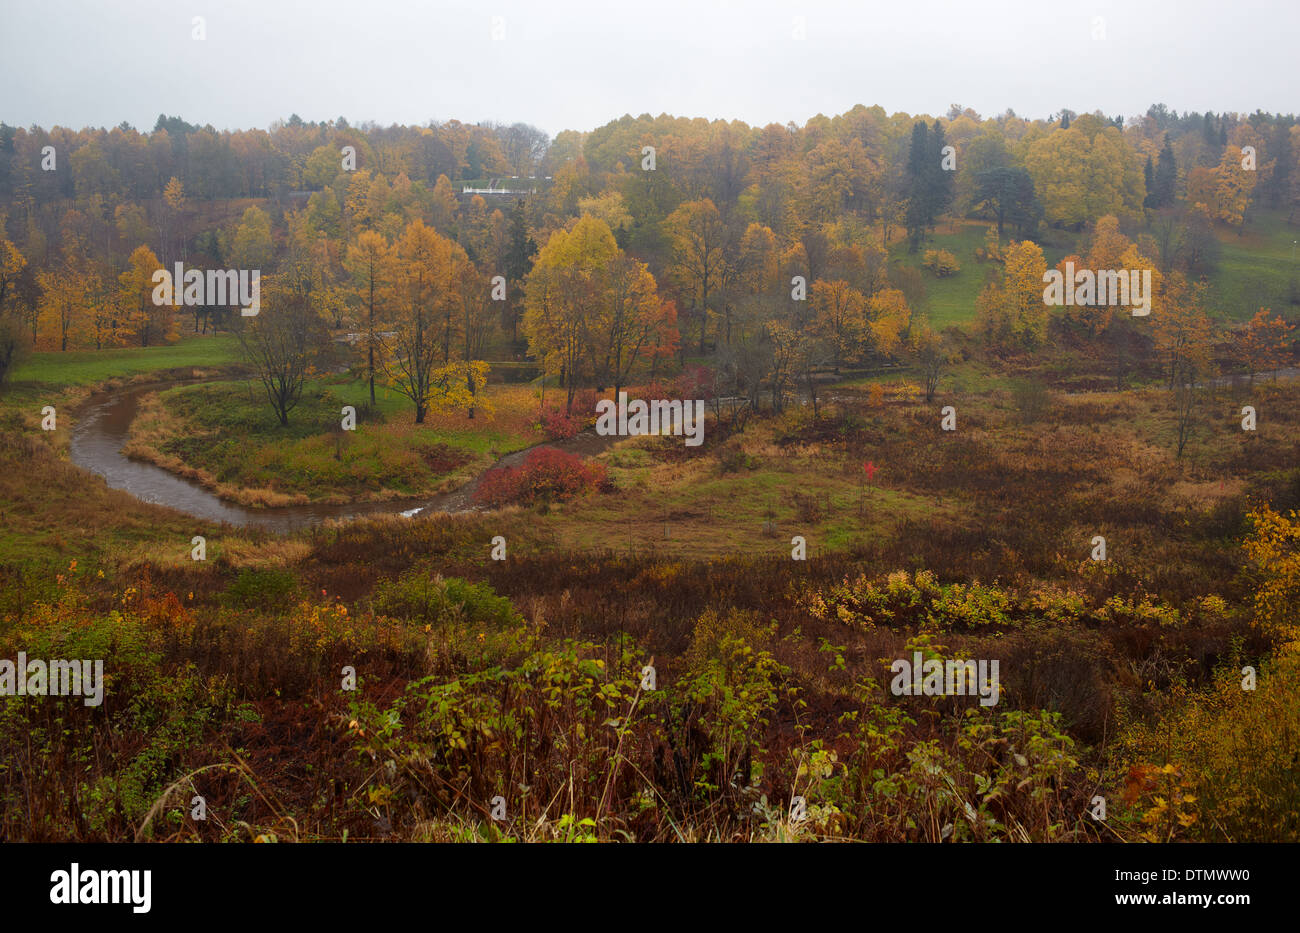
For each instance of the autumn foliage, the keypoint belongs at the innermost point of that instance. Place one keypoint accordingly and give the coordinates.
(546, 475)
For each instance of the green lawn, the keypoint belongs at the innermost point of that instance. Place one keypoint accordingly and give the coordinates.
(952, 298)
(228, 431)
(88, 367)
(1256, 269)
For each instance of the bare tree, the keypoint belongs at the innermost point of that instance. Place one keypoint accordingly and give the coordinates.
(932, 354)
(286, 343)
(1186, 397)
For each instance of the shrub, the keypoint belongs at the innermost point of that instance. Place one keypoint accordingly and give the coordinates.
(918, 599)
(545, 475)
(562, 421)
(1233, 749)
(558, 425)
(992, 250)
(271, 588)
(941, 262)
(1031, 398)
(731, 689)
(693, 382)
(420, 597)
(530, 727)
(734, 459)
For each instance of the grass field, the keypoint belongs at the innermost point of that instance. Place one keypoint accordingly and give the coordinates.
(1258, 268)
(951, 299)
(226, 436)
(90, 367)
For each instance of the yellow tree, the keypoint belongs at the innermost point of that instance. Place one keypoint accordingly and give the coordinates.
(62, 306)
(1273, 547)
(758, 275)
(356, 203)
(1011, 313)
(931, 353)
(1265, 344)
(631, 324)
(11, 264)
(141, 317)
(562, 295)
(14, 341)
(697, 235)
(609, 207)
(443, 209)
(103, 323)
(425, 294)
(840, 316)
(475, 232)
(1108, 244)
(170, 216)
(1085, 172)
(890, 318)
(1184, 338)
(369, 262)
(249, 245)
(786, 352)
(1181, 329)
(476, 323)
(1234, 185)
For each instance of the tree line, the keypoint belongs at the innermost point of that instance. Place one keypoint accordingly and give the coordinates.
(610, 268)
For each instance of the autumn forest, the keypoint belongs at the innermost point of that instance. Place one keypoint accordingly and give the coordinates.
(303, 435)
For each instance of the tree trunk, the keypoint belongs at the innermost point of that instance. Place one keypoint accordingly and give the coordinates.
(372, 375)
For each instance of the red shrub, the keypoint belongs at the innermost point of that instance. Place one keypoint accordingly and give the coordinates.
(546, 474)
(557, 424)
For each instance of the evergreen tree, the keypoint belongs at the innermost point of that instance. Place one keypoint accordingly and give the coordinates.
(1166, 176)
(518, 262)
(930, 188)
(942, 179)
(1009, 193)
(917, 218)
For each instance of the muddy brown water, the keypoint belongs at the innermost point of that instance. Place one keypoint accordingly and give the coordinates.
(104, 424)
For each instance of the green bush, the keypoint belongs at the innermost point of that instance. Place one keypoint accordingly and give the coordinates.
(425, 599)
(270, 588)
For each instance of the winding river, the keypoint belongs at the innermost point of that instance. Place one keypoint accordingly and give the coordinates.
(103, 426)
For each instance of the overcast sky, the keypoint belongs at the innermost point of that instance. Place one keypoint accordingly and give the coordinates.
(576, 65)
